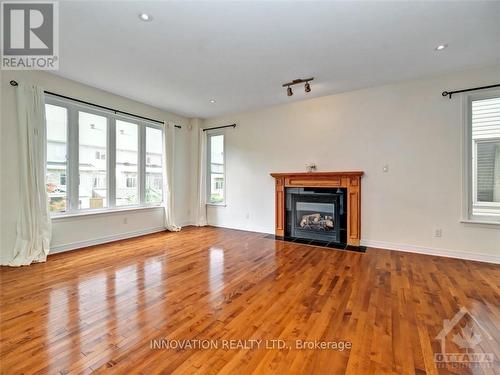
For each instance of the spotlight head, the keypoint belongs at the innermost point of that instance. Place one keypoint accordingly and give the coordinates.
(289, 91)
(307, 87)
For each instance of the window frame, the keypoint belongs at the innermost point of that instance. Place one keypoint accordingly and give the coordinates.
(72, 158)
(469, 172)
(210, 134)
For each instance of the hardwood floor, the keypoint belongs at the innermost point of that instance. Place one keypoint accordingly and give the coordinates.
(97, 309)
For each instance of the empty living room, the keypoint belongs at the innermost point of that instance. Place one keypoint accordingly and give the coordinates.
(250, 187)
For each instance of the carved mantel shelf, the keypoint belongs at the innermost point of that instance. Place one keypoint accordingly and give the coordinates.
(348, 180)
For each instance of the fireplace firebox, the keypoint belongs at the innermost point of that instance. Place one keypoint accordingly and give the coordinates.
(315, 214)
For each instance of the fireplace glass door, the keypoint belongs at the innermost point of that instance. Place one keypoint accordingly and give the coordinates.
(315, 217)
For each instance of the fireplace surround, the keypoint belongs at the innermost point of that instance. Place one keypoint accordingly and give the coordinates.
(344, 191)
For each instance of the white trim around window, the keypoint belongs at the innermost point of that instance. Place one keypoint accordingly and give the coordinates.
(73, 162)
(474, 211)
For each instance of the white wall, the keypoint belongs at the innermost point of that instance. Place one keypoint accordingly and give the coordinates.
(71, 232)
(408, 126)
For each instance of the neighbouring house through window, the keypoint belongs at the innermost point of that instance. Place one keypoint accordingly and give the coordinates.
(219, 183)
(80, 175)
(100, 155)
(131, 182)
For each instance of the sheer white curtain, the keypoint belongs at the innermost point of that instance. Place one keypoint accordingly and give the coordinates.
(201, 215)
(168, 176)
(33, 222)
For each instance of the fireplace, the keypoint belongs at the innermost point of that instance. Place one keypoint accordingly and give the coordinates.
(324, 206)
(315, 214)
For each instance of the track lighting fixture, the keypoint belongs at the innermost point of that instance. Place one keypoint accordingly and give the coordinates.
(307, 86)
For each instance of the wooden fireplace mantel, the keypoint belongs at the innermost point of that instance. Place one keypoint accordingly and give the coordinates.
(349, 180)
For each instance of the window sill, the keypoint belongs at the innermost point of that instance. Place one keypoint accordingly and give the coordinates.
(216, 204)
(102, 212)
(481, 221)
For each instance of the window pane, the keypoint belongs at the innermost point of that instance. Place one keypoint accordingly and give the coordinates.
(57, 135)
(486, 139)
(216, 168)
(154, 152)
(488, 171)
(127, 160)
(92, 191)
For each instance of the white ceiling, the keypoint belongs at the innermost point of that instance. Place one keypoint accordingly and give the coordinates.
(240, 53)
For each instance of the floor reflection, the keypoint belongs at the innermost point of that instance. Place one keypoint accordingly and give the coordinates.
(216, 273)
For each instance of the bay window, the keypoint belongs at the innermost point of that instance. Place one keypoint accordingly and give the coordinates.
(98, 160)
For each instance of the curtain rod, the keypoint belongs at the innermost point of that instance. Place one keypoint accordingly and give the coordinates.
(220, 127)
(450, 93)
(116, 111)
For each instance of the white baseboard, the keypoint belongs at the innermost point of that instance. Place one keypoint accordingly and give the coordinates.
(98, 241)
(250, 229)
(115, 237)
(489, 258)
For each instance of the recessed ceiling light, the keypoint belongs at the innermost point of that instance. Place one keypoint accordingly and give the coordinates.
(212, 101)
(145, 17)
(441, 47)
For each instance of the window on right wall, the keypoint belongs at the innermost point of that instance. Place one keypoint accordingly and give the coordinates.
(484, 157)
(216, 179)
